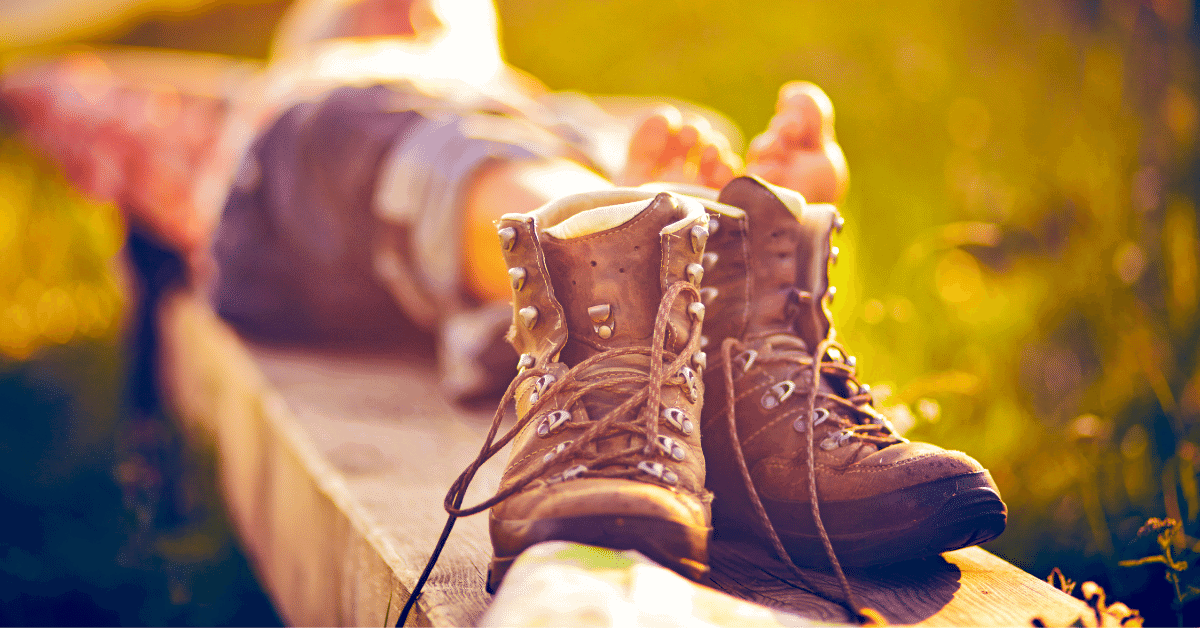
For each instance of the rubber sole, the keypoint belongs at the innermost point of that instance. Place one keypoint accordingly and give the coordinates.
(679, 547)
(914, 522)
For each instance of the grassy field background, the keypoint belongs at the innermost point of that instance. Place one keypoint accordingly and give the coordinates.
(1018, 274)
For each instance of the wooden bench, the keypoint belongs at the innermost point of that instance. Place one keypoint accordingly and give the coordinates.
(334, 468)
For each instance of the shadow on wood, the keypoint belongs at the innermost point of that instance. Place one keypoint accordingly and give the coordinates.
(335, 466)
(907, 593)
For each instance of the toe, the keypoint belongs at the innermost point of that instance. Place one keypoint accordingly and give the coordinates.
(649, 144)
(671, 146)
(819, 176)
(798, 149)
(650, 138)
(685, 141)
(766, 145)
(806, 111)
(718, 165)
(695, 131)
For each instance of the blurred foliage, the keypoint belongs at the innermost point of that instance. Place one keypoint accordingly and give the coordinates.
(1169, 534)
(1019, 270)
(77, 547)
(1019, 273)
(1102, 613)
(56, 282)
(67, 552)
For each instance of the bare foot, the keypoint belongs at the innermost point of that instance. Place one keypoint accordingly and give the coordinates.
(679, 148)
(798, 149)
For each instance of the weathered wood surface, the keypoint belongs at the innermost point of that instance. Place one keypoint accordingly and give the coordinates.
(334, 469)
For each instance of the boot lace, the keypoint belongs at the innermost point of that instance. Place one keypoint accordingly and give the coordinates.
(644, 389)
(854, 414)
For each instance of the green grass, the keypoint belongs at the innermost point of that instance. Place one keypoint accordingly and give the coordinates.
(1019, 270)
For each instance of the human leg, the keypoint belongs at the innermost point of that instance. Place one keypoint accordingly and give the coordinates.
(798, 148)
(511, 187)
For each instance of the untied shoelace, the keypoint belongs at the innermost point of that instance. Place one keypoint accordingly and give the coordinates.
(858, 404)
(649, 393)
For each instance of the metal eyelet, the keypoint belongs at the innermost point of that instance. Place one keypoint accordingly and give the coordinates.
(746, 359)
(539, 387)
(529, 316)
(820, 415)
(658, 470)
(552, 421)
(679, 420)
(558, 449)
(602, 314)
(699, 238)
(778, 394)
(671, 448)
(569, 474)
(837, 439)
(690, 383)
(700, 359)
(516, 277)
(525, 361)
(508, 237)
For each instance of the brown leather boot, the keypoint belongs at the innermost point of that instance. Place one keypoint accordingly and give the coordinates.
(882, 499)
(607, 320)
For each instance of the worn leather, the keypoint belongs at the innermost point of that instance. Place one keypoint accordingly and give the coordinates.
(613, 279)
(779, 256)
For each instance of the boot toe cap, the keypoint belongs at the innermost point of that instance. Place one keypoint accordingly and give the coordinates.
(671, 527)
(905, 501)
(604, 497)
(900, 466)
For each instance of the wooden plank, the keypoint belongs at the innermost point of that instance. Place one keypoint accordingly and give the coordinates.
(967, 587)
(334, 468)
(337, 514)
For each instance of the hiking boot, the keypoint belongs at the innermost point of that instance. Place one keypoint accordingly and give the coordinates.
(607, 322)
(882, 499)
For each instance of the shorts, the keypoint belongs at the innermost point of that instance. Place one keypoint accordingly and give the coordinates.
(343, 225)
(344, 220)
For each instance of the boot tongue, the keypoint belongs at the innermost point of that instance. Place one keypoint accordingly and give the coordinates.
(604, 264)
(775, 246)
